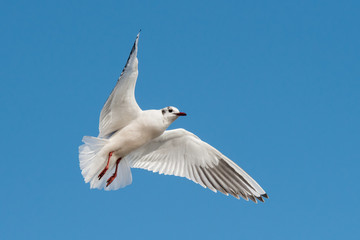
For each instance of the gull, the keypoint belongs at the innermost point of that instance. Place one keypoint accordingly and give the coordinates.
(133, 138)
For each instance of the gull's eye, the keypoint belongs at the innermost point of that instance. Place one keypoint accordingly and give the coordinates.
(170, 110)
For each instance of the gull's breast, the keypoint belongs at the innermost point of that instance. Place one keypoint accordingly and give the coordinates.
(134, 136)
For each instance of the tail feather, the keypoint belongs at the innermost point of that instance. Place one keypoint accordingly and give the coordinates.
(93, 161)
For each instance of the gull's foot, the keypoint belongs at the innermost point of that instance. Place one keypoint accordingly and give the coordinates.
(103, 173)
(111, 179)
(106, 168)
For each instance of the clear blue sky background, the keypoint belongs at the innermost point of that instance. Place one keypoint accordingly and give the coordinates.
(273, 85)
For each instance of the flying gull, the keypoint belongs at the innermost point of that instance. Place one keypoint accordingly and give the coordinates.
(132, 138)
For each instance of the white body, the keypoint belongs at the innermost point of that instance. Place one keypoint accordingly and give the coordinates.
(147, 126)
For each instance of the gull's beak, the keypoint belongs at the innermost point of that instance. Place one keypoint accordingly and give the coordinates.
(180, 114)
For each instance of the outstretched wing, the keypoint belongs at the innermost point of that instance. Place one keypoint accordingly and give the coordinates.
(121, 106)
(181, 153)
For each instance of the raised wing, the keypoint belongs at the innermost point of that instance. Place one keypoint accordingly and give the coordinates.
(121, 106)
(181, 153)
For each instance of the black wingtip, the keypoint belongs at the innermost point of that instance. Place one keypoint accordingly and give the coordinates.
(265, 195)
(137, 36)
(252, 198)
(134, 47)
(260, 199)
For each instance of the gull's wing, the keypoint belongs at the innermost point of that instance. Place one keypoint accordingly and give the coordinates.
(181, 153)
(121, 106)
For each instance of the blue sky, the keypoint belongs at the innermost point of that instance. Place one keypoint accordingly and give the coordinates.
(273, 85)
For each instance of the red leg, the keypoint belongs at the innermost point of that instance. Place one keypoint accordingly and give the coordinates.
(106, 168)
(111, 179)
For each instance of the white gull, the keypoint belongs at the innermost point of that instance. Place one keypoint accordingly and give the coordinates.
(132, 138)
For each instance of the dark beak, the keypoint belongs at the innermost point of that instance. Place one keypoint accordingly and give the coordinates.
(180, 114)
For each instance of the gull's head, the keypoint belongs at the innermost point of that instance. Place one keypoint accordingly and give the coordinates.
(171, 113)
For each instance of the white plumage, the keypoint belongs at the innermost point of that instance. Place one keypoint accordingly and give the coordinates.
(132, 138)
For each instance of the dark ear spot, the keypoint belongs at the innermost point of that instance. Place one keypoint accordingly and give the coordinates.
(163, 111)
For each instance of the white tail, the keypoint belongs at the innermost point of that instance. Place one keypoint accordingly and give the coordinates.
(93, 161)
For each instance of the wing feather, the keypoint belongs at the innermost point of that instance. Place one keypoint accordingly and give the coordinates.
(181, 153)
(121, 106)
(206, 181)
(197, 176)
